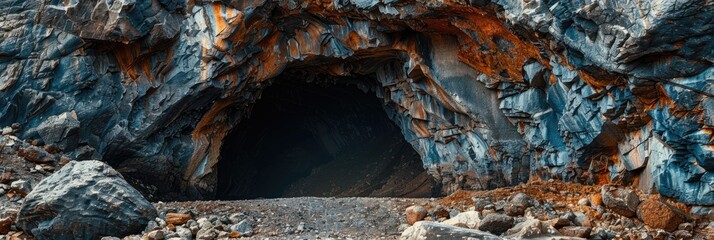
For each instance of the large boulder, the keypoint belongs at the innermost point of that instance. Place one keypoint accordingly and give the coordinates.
(517, 204)
(657, 214)
(622, 201)
(84, 200)
(415, 213)
(470, 219)
(496, 223)
(434, 230)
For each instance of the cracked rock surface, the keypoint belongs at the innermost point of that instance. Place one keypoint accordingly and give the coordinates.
(489, 93)
(84, 200)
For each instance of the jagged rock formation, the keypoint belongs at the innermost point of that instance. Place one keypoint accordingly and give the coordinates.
(489, 93)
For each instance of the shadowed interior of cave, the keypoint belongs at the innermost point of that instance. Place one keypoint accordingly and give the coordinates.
(319, 139)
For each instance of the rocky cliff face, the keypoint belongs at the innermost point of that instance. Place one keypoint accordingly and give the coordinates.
(490, 93)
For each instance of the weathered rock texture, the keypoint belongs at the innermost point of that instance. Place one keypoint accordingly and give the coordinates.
(84, 200)
(434, 230)
(489, 93)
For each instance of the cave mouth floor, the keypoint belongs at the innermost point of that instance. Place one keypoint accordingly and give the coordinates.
(321, 139)
(368, 217)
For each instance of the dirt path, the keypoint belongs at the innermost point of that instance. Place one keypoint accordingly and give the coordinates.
(356, 218)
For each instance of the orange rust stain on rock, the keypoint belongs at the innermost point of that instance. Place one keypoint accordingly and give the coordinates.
(602, 178)
(521, 127)
(420, 128)
(440, 94)
(218, 9)
(205, 124)
(220, 25)
(490, 47)
(493, 154)
(709, 131)
(418, 110)
(126, 55)
(272, 62)
(354, 40)
(320, 6)
(597, 84)
(146, 68)
(656, 100)
(207, 137)
(294, 48)
(132, 62)
(614, 158)
(440, 26)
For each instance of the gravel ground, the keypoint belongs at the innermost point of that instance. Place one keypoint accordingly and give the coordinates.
(311, 217)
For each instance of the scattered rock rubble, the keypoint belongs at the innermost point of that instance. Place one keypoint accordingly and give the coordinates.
(23, 164)
(560, 210)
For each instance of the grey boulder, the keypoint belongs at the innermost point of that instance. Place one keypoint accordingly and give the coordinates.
(84, 200)
(62, 130)
(434, 230)
(496, 223)
(470, 219)
(531, 228)
(244, 228)
(622, 201)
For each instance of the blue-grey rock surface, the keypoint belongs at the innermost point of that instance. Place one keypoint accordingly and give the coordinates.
(84, 200)
(490, 93)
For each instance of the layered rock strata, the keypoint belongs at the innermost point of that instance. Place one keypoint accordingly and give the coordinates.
(490, 93)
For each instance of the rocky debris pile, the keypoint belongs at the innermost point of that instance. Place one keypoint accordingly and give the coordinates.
(283, 218)
(84, 200)
(613, 212)
(186, 225)
(23, 164)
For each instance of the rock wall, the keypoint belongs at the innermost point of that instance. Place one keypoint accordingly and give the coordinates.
(490, 93)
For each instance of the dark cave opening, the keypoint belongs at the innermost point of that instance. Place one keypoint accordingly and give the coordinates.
(319, 139)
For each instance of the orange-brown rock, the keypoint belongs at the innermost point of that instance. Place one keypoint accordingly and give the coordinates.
(575, 231)
(177, 218)
(596, 200)
(657, 214)
(5, 224)
(441, 212)
(35, 154)
(415, 214)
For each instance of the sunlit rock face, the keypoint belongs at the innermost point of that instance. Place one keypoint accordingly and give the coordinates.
(489, 93)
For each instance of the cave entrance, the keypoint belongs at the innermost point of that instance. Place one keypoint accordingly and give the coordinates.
(319, 139)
